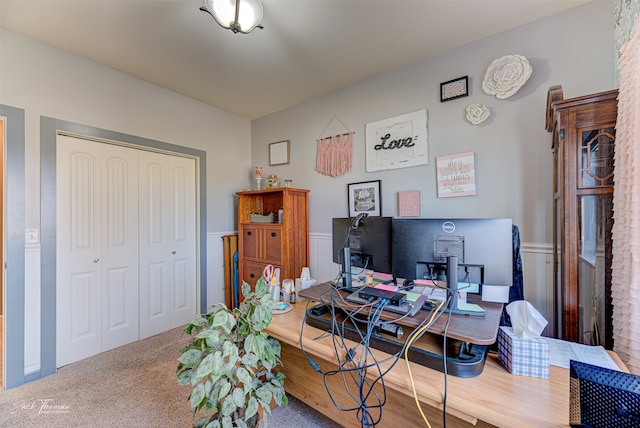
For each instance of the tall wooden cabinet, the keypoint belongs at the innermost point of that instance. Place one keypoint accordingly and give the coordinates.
(583, 146)
(283, 244)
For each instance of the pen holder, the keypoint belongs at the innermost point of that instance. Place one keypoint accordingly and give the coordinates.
(275, 292)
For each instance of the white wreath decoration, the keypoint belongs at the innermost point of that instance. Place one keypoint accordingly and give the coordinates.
(506, 75)
(477, 113)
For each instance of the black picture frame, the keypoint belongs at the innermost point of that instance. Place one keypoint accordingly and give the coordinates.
(364, 197)
(455, 88)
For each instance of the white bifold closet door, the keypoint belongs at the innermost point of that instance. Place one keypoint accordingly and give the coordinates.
(167, 242)
(122, 214)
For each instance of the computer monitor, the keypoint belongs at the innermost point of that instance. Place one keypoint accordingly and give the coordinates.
(366, 241)
(483, 248)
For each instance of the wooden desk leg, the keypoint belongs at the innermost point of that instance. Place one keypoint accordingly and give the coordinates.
(308, 386)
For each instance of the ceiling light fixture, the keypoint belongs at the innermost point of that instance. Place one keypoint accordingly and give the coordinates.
(239, 16)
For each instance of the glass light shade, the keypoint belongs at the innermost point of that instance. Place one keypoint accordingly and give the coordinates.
(224, 12)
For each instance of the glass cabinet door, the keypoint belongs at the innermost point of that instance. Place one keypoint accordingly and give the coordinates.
(595, 221)
(595, 215)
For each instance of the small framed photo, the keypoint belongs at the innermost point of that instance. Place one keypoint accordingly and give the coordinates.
(364, 198)
(453, 89)
(279, 153)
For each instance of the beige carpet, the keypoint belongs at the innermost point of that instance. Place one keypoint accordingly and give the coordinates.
(131, 386)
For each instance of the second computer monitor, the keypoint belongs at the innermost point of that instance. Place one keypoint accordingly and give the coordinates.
(369, 241)
(484, 249)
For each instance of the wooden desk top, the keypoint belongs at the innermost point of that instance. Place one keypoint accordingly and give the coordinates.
(472, 329)
(495, 396)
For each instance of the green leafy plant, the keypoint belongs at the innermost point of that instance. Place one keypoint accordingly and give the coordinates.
(230, 362)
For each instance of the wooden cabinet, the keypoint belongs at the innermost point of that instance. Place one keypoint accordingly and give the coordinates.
(583, 146)
(285, 244)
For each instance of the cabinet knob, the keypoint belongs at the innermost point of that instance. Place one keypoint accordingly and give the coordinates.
(96, 260)
(249, 233)
(173, 252)
(252, 275)
(273, 234)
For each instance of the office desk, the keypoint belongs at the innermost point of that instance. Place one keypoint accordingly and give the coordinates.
(493, 398)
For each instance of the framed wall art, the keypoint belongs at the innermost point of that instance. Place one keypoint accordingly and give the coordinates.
(456, 88)
(398, 142)
(279, 153)
(456, 175)
(409, 203)
(364, 198)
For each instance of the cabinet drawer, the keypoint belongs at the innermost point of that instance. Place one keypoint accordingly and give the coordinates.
(250, 242)
(262, 243)
(273, 245)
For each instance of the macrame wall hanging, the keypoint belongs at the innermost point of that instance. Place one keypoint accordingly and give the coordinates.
(335, 152)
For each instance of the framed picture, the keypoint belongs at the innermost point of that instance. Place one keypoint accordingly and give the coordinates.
(397, 142)
(455, 88)
(279, 153)
(364, 198)
(456, 175)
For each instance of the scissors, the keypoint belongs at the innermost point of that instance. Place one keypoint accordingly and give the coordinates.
(268, 274)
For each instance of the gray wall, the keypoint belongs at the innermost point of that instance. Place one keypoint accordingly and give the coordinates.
(46, 81)
(512, 148)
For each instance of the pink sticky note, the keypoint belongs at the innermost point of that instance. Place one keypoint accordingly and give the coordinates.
(386, 287)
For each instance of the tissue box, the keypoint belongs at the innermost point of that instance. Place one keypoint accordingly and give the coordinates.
(525, 357)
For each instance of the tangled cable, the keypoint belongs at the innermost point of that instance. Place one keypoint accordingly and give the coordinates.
(361, 373)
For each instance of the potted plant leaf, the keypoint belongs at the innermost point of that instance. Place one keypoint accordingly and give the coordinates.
(231, 363)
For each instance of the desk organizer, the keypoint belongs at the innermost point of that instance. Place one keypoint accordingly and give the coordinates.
(525, 357)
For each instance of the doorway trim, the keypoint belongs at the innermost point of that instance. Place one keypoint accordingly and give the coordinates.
(49, 129)
(14, 290)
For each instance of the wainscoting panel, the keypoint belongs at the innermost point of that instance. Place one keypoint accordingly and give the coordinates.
(321, 263)
(537, 264)
(32, 309)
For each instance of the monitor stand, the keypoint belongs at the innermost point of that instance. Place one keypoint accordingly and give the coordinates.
(347, 279)
(452, 287)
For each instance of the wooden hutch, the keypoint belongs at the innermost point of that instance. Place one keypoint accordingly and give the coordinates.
(583, 142)
(267, 237)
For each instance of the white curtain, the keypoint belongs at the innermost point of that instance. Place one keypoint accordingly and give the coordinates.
(625, 284)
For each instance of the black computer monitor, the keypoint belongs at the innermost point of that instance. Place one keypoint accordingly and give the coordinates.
(483, 248)
(365, 240)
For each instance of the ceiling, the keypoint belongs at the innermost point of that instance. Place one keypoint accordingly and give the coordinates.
(307, 47)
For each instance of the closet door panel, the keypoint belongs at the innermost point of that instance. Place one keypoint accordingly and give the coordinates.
(155, 244)
(183, 252)
(78, 273)
(120, 323)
